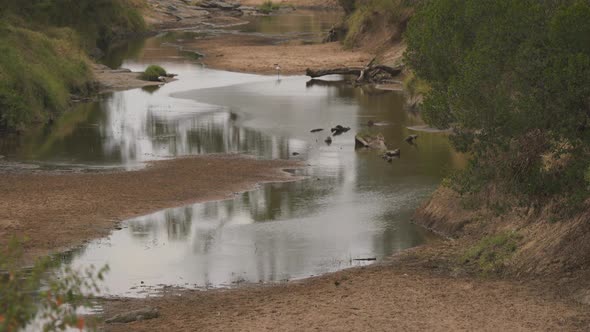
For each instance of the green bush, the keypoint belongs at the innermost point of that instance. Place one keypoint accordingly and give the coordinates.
(42, 52)
(98, 22)
(152, 73)
(348, 6)
(44, 292)
(37, 74)
(268, 6)
(512, 79)
(491, 253)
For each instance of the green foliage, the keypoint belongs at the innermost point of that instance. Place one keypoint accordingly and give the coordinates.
(42, 58)
(43, 293)
(37, 74)
(152, 73)
(512, 78)
(268, 7)
(415, 86)
(98, 22)
(491, 253)
(348, 6)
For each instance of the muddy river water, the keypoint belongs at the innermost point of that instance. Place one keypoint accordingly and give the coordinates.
(352, 204)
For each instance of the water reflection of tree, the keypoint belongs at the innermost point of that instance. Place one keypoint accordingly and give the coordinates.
(119, 52)
(210, 133)
(178, 223)
(74, 134)
(316, 24)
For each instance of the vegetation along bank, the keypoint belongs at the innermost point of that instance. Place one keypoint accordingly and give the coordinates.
(43, 53)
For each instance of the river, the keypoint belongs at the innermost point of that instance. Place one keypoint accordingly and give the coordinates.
(352, 204)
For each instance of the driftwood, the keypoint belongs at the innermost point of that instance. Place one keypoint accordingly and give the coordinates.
(371, 73)
(371, 141)
(334, 71)
(135, 315)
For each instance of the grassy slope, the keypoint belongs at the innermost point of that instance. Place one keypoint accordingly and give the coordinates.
(385, 20)
(43, 48)
(37, 73)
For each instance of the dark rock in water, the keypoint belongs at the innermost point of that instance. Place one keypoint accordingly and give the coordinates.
(135, 315)
(410, 139)
(338, 130)
(372, 141)
(371, 123)
(328, 140)
(295, 153)
(316, 130)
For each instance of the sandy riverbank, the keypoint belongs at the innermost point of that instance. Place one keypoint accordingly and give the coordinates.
(57, 211)
(120, 79)
(253, 54)
(414, 292)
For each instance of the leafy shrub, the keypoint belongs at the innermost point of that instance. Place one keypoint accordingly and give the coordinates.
(152, 73)
(268, 6)
(348, 6)
(98, 22)
(37, 74)
(512, 79)
(42, 58)
(491, 252)
(42, 293)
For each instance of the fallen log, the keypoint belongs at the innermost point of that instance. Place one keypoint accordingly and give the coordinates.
(334, 71)
(369, 74)
(135, 315)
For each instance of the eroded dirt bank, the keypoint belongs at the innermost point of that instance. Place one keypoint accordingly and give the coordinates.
(56, 211)
(414, 292)
(540, 247)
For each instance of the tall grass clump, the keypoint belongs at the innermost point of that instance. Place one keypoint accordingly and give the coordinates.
(268, 6)
(38, 72)
(43, 45)
(98, 22)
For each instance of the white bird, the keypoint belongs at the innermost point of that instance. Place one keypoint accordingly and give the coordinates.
(278, 69)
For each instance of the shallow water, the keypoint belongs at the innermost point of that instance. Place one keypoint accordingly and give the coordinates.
(352, 205)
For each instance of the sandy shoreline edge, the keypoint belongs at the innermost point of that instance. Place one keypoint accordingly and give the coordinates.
(62, 211)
